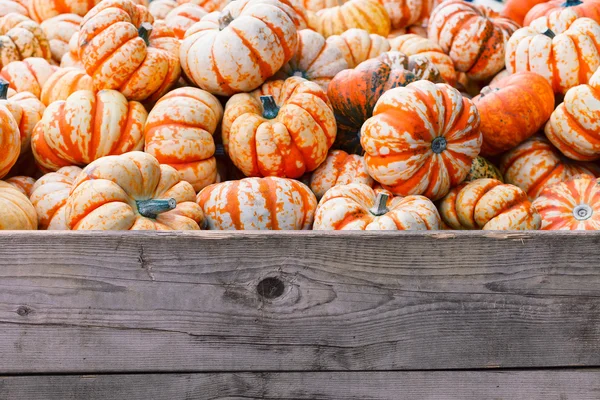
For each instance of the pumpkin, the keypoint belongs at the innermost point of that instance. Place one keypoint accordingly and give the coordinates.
(421, 139)
(72, 59)
(412, 44)
(473, 36)
(369, 15)
(184, 16)
(59, 31)
(179, 132)
(217, 56)
(87, 126)
(419, 30)
(318, 5)
(483, 168)
(116, 52)
(512, 110)
(21, 38)
(571, 205)
(270, 203)
(283, 129)
(13, 6)
(536, 164)
(404, 13)
(584, 9)
(131, 191)
(23, 183)
(26, 109)
(49, 197)
(517, 9)
(339, 168)
(64, 83)
(42, 10)
(562, 48)
(163, 37)
(488, 204)
(159, 9)
(28, 75)
(573, 127)
(16, 211)
(208, 5)
(354, 92)
(358, 207)
(315, 60)
(10, 141)
(358, 45)
(293, 8)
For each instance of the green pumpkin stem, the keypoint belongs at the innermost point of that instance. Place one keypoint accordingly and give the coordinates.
(145, 31)
(224, 20)
(571, 3)
(380, 207)
(549, 33)
(4, 89)
(270, 109)
(151, 208)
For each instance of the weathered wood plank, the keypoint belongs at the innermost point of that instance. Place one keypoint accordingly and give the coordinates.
(458, 385)
(87, 303)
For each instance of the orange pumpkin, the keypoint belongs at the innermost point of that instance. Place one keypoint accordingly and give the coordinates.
(358, 45)
(182, 17)
(474, 37)
(10, 141)
(358, 207)
(41, 10)
(211, 46)
(315, 60)
(26, 109)
(258, 204)
(49, 197)
(23, 183)
(488, 204)
(64, 83)
(517, 9)
(404, 13)
(179, 132)
(339, 168)
(16, 211)
(562, 48)
(28, 75)
(14, 6)
(283, 129)
(571, 205)
(159, 9)
(132, 191)
(535, 164)
(512, 110)
(318, 5)
(573, 127)
(421, 139)
(116, 52)
(412, 44)
(354, 92)
(71, 58)
(584, 9)
(369, 15)
(87, 126)
(59, 31)
(208, 5)
(21, 38)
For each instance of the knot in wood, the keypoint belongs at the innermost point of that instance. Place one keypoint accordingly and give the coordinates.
(270, 288)
(24, 311)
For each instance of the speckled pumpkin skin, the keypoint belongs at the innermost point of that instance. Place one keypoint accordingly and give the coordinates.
(10, 141)
(23, 183)
(28, 75)
(27, 111)
(64, 83)
(369, 15)
(358, 45)
(21, 38)
(59, 30)
(584, 9)
(41, 10)
(16, 211)
(483, 168)
(339, 168)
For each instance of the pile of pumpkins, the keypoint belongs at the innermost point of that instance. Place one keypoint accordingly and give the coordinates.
(299, 114)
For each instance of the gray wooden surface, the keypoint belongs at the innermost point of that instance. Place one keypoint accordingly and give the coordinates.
(452, 385)
(148, 302)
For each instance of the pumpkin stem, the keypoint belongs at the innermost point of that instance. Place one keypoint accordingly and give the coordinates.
(439, 144)
(4, 89)
(582, 212)
(571, 3)
(487, 90)
(224, 20)
(380, 207)
(151, 208)
(145, 31)
(270, 109)
(549, 33)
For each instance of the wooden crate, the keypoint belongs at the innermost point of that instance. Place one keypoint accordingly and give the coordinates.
(299, 315)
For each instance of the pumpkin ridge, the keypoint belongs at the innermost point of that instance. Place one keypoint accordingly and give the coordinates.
(364, 16)
(124, 126)
(269, 190)
(91, 70)
(287, 51)
(317, 120)
(73, 226)
(305, 194)
(233, 205)
(96, 124)
(264, 67)
(350, 49)
(583, 67)
(321, 50)
(511, 205)
(75, 151)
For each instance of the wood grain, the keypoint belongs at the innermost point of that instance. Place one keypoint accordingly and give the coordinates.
(188, 302)
(457, 385)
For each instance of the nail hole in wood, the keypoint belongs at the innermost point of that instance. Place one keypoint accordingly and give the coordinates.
(24, 311)
(270, 288)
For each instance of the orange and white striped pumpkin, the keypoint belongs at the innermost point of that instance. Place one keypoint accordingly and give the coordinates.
(64, 83)
(21, 38)
(87, 126)
(217, 57)
(26, 109)
(59, 30)
(404, 13)
(474, 37)
(181, 18)
(369, 15)
(358, 45)
(14, 6)
(283, 129)
(159, 9)
(339, 168)
(71, 58)
(23, 183)
(179, 132)
(16, 211)
(318, 5)
(574, 126)
(258, 204)
(421, 139)
(488, 204)
(49, 197)
(208, 5)
(41, 10)
(10, 141)
(132, 191)
(358, 207)
(571, 205)
(28, 75)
